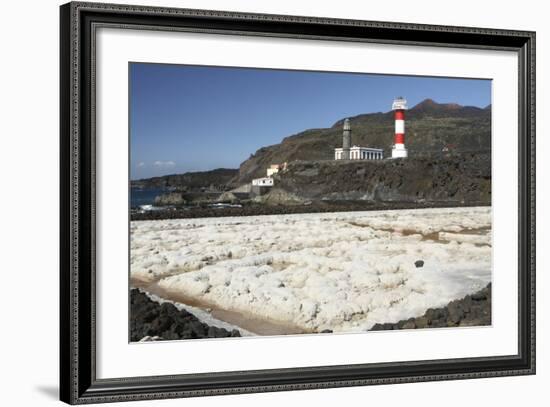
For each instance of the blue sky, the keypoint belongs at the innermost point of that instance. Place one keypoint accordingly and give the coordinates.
(196, 118)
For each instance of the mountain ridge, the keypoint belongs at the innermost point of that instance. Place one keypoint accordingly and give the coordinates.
(192, 180)
(430, 127)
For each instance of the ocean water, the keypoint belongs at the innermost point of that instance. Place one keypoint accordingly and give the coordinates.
(144, 196)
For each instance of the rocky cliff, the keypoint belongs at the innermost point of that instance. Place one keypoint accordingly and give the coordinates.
(452, 178)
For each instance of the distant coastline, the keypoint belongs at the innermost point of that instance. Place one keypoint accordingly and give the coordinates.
(428, 181)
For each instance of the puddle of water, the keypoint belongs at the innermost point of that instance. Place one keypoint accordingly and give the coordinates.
(259, 326)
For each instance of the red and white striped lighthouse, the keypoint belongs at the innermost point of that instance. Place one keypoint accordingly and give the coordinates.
(399, 106)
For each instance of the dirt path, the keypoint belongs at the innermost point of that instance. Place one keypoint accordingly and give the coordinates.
(259, 326)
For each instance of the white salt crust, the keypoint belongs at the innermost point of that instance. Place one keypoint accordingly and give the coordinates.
(339, 271)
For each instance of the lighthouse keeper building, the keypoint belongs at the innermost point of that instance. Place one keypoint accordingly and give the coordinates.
(348, 152)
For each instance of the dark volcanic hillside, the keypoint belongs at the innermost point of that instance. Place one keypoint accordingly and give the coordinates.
(430, 127)
(461, 178)
(218, 178)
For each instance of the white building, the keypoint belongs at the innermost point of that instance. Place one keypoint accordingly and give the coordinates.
(360, 153)
(355, 152)
(273, 169)
(263, 182)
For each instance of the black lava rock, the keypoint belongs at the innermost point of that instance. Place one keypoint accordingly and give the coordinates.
(165, 321)
(472, 310)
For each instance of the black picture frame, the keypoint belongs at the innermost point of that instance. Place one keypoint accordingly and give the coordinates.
(78, 382)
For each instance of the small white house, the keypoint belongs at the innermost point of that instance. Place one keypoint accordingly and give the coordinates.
(263, 182)
(274, 169)
(268, 181)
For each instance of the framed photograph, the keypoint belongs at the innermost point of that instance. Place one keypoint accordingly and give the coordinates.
(254, 203)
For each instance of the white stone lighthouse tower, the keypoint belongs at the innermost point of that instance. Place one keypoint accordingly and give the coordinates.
(399, 106)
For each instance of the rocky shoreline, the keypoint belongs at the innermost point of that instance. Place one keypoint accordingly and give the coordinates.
(311, 207)
(150, 320)
(472, 310)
